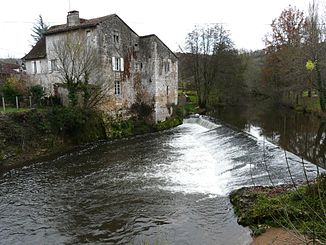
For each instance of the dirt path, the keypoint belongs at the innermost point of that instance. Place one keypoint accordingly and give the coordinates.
(278, 236)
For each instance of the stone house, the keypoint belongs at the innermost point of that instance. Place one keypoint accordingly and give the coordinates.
(138, 67)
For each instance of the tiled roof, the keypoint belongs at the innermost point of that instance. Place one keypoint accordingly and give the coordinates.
(83, 24)
(38, 51)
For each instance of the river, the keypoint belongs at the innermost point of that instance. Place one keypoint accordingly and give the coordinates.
(300, 133)
(164, 188)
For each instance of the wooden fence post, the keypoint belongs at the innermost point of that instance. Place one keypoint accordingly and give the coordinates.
(17, 106)
(3, 104)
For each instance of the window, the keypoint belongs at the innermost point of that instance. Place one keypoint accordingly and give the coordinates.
(166, 67)
(116, 38)
(117, 88)
(34, 67)
(167, 90)
(54, 66)
(137, 67)
(136, 47)
(117, 64)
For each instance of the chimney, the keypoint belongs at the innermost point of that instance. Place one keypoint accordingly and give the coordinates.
(73, 18)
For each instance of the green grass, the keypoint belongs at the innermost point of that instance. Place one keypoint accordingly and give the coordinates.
(13, 109)
(191, 107)
(301, 209)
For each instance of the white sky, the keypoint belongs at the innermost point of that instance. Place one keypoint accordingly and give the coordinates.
(171, 20)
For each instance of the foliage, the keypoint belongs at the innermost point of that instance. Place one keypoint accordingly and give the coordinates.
(13, 87)
(168, 123)
(310, 65)
(142, 109)
(76, 124)
(39, 28)
(285, 55)
(190, 106)
(295, 51)
(37, 94)
(253, 63)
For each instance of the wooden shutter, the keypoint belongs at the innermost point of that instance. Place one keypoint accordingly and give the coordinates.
(113, 64)
(121, 64)
(49, 66)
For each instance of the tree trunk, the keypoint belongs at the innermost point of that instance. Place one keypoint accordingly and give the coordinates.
(321, 88)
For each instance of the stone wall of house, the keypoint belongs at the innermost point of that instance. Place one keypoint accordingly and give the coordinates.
(117, 40)
(162, 75)
(147, 69)
(41, 75)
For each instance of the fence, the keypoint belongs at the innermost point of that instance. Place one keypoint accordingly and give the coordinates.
(19, 103)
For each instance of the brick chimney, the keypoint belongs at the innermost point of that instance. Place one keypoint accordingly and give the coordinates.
(73, 18)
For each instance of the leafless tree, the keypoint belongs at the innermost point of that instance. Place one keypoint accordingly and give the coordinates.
(80, 69)
(205, 43)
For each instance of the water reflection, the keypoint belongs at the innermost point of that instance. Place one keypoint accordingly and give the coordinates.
(299, 133)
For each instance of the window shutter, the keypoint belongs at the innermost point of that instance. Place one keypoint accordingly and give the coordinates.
(113, 64)
(49, 66)
(121, 64)
(34, 64)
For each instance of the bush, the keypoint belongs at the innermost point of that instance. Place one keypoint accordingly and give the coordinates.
(76, 124)
(37, 94)
(168, 123)
(142, 110)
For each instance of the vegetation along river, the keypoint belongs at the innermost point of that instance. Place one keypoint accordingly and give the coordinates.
(170, 188)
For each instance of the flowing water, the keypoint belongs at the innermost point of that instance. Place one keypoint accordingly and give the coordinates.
(164, 188)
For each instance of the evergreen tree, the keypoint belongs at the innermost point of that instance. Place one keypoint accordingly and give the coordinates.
(39, 29)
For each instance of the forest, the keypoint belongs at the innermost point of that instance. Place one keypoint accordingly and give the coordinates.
(289, 71)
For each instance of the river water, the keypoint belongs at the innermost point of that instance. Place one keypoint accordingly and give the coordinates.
(164, 188)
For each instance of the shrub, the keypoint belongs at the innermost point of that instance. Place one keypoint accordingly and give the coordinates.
(142, 109)
(76, 124)
(168, 123)
(37, 94)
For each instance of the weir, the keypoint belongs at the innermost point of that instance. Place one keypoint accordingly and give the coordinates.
(202, 121)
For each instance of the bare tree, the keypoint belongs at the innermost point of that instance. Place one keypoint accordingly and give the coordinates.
(205, 43)
(80, 69)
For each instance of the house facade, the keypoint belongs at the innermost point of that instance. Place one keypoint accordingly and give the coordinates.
(139, 68)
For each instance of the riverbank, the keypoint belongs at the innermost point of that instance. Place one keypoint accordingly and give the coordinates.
(300, 209)
(279, 236)
(38, 134)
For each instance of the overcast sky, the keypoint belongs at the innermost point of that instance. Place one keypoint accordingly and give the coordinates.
(171, 20)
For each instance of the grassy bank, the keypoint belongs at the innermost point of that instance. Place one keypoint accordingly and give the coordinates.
(300, 209)
(188, 103)
(37, 133)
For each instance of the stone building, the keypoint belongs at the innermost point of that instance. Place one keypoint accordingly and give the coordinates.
(140, 68)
